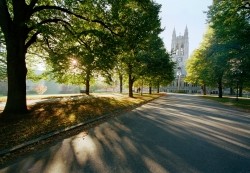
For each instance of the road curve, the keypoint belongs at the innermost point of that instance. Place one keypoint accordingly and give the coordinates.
(172, 134)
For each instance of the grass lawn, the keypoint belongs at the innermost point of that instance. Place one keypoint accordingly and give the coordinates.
(57, 112)
(242, 103)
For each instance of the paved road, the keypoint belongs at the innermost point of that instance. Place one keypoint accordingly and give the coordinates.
(173, 134)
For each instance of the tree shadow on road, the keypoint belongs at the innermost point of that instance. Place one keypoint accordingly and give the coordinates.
(161, 136)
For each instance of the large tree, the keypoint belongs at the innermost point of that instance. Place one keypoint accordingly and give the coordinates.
(139, 20)
(22, 23)
(198, 70)
(223, 57)
(231, 44)
(157, 67)
(85, 54)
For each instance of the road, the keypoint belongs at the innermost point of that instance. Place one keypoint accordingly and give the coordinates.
(172, 134)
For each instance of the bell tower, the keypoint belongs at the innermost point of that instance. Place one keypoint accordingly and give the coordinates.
(180, 51)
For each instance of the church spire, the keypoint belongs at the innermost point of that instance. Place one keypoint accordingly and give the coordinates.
(186, 32)
(174, 34)
(173, 40)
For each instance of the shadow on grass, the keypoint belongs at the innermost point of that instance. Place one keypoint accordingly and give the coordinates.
(171, 135)
(242, 103)
(59, 113)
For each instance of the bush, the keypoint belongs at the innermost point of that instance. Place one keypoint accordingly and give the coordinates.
(40, 89)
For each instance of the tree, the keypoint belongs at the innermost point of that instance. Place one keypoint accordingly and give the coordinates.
(208, 64)
(139, 21)
(224, 51)
(119, 70)
(86, 51)
(157, 67)
(22, 23)
(230, 22)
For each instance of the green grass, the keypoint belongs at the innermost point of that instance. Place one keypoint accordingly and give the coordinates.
(242, 103)
(45, 96)
(61, 112)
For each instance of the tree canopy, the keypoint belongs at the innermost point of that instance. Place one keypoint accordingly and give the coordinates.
(223, 56)
(77, 39)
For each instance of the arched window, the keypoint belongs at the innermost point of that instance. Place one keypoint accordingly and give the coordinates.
(182, 50)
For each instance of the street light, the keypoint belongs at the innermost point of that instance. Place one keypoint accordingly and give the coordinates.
(179, 77)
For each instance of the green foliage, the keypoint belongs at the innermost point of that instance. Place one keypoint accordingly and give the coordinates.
(95, 34)
(3, 62)
(231, 44)
(157, 67)
(138, 22)
(223, 56)
(242, 103)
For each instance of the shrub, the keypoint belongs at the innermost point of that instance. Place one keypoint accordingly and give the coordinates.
(40, 89)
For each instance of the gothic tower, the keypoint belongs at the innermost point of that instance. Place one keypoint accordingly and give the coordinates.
(180, 51)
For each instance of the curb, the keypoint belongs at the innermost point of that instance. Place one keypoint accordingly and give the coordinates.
(12, 149)
(8, 150)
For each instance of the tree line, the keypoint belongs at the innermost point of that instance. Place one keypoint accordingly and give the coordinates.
(79, 40)
(222, 59)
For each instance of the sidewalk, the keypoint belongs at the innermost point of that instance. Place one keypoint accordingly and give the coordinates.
(29, 102)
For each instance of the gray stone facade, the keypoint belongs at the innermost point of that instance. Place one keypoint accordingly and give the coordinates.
(180, 54)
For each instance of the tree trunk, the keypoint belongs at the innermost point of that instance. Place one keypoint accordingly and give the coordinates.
(204, 90)
(220, 89)
(130, 81)
(142, 87)
(240, 90)
(130, 85)
(121, 80)
(231, 91)
(150, 89)
(87, 85)
(158, 87)
(16, 72)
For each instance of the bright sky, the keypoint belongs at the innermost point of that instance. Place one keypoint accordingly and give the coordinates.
(179, 13)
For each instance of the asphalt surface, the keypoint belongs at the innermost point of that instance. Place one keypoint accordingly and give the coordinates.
(173, 134)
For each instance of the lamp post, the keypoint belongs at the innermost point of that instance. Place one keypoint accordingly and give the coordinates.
(179, 77)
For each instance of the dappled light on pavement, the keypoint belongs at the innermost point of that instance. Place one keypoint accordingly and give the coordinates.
(173, 134)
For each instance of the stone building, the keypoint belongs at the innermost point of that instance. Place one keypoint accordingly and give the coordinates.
(180, 54)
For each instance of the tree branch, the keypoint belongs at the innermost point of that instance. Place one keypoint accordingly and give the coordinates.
(32, 53)
(32, 4)
(55, 20)
(78, 38)
(5, 20)
(47, 7)
(48, 45)
(30, 7)
(31, 40)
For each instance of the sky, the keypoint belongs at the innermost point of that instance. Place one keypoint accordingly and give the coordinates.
(181, 13)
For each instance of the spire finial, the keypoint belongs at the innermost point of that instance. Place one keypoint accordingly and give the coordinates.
(186, 31)
(174, 33)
